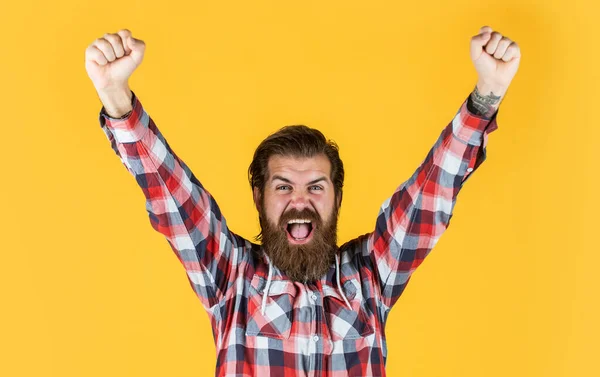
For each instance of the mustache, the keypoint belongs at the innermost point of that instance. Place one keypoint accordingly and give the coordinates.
(305, 213)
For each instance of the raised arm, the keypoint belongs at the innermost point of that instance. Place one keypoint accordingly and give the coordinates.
(413, 219)
(178, 205)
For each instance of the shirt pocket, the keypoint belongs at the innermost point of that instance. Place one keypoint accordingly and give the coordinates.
(276, 322)
(346, 323)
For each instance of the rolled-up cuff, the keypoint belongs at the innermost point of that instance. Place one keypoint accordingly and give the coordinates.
(132, 127)
(473, 129)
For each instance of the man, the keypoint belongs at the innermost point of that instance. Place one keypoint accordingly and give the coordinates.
(298, 304)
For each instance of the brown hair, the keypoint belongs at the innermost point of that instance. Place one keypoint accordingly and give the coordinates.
(296, 141)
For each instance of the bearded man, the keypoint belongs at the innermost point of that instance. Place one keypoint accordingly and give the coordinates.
(298, 304)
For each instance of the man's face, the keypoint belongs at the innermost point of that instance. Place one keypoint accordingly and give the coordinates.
(298, 216)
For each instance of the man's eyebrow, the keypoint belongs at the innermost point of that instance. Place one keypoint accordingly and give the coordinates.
(318, 180)
(323, 178)
(281, 179)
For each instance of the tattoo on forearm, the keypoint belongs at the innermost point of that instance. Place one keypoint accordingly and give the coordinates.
(483, 105)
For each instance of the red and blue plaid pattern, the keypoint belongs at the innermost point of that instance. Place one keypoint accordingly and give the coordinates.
(307, 329)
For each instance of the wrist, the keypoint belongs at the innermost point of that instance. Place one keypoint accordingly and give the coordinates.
(485, 99)
(487, 88)
(116, 101)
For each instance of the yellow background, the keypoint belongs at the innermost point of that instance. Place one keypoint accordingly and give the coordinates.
(88, 288)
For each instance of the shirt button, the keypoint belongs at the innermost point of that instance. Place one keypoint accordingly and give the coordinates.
(470, 170)
(315, 338)
(314, 297)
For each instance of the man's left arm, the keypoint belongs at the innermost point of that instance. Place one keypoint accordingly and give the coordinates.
(413, 219)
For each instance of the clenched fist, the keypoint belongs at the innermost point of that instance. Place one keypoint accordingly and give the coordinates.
(111, 60)
(496, 58)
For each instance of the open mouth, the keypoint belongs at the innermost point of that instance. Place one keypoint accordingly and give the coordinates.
(299, 231)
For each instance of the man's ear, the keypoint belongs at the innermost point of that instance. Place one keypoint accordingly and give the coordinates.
(256, 196)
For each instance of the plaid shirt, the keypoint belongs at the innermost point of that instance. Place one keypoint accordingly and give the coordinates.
(325, 328)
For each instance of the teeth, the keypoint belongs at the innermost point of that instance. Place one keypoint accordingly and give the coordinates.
(298, 221)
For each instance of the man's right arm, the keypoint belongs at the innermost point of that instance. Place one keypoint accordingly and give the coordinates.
(178, 205)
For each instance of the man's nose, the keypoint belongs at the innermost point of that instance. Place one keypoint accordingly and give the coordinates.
(299, 201)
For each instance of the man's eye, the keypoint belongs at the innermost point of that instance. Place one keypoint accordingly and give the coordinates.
(316, 188)
(283, 187)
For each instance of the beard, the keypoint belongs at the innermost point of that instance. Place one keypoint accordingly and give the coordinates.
(306, 262)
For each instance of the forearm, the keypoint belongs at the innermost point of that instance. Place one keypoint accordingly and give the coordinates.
(485, 99)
